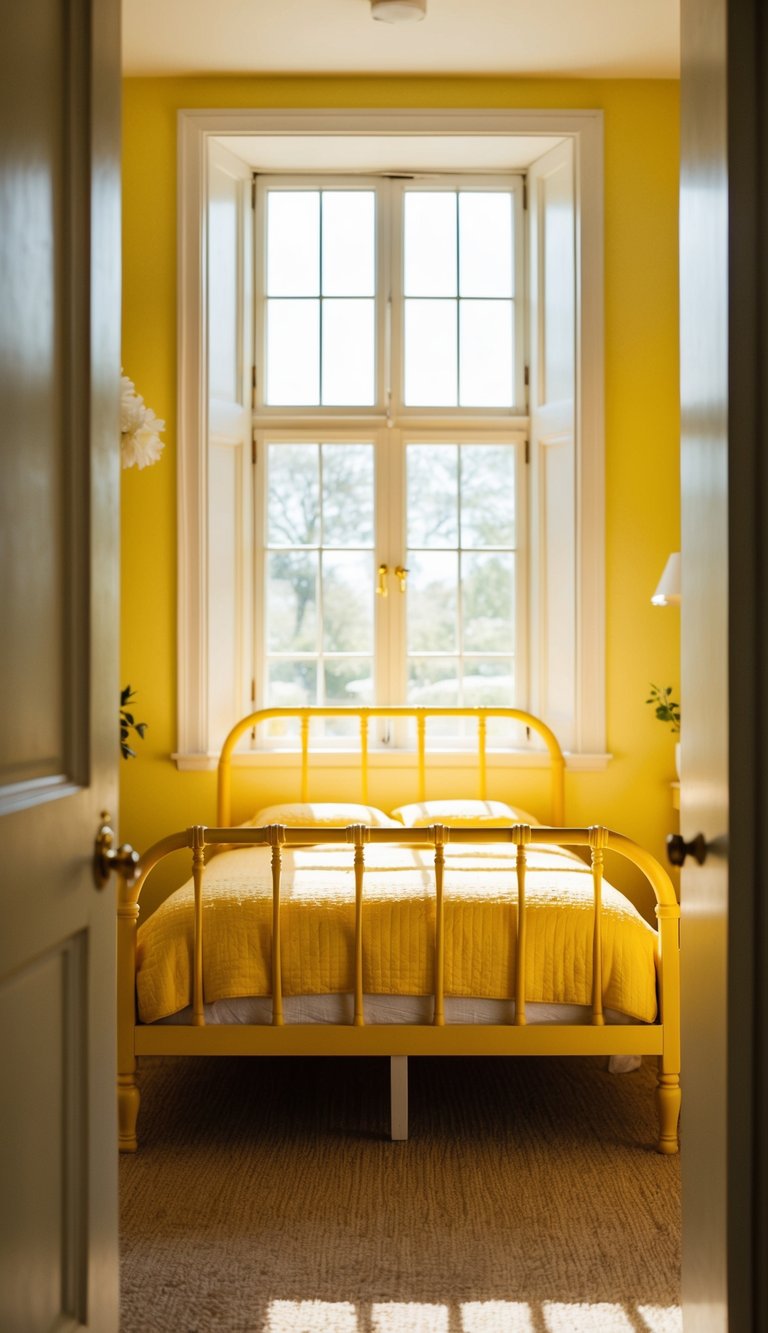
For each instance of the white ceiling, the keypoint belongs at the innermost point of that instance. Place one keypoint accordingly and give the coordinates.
(555, 38)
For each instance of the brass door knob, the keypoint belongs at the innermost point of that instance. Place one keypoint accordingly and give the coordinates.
(678, 849)
(124, 861)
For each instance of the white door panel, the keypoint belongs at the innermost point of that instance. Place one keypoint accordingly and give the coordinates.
(59, 495)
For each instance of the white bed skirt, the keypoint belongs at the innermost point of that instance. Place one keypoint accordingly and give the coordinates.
(381, 1009)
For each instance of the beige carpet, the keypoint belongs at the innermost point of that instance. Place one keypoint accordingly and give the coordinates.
(266, 1198)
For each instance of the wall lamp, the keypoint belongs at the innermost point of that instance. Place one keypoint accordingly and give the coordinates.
(668, 590)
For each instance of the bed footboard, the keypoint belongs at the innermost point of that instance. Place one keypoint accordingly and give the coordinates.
(661, 1039)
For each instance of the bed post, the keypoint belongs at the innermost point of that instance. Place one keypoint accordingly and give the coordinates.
(127, 1087)
(668, 1094)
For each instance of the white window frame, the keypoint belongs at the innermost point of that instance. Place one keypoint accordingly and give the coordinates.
(196, 131)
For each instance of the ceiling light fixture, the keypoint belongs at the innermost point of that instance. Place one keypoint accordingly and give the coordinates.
(398, 11)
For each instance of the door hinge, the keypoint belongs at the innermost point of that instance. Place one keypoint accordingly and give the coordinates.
(525, 195)
(253, 193)
(526, 376)
(527, 451)
(254, 451)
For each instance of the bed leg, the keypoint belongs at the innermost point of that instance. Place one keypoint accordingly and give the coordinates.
(668, 1097)
(398, 1096)
(128, 1099)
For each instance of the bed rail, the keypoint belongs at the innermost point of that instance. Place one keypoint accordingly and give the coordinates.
(599, 840)
(421, 715)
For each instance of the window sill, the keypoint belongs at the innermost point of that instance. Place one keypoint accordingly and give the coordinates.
(407, 759)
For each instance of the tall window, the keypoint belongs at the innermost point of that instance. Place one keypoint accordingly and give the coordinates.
(390, 509)
(390, 417)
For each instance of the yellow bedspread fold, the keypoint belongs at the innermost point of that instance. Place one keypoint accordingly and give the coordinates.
(317, 923)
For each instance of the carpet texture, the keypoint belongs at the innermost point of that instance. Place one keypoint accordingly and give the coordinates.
(266, 1198)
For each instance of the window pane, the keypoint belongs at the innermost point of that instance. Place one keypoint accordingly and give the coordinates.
(348, 601)
(430, 353)
(349, 264)
(429, 243)
(488, 603)
(293, 243)
(293, 499)
(488, 495)
(432, 503)
(489, 684)
(485, 244)
(348, 492)
(433, 681)
(291, 685)
(348, 353)
(486, 350)
(293, 359)
(348, 680)
(292, 601)
(432, 601)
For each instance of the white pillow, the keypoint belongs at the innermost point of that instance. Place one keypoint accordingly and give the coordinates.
(321, 814)
(462, 814)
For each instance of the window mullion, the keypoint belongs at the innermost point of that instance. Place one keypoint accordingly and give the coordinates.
(395, 291)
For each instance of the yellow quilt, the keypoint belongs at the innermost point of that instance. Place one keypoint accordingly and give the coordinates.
(317, 920)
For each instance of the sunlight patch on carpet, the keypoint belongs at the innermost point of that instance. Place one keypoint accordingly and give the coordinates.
(661, 1318)
(496, 1317)
(476, 1317)
(311, 1317)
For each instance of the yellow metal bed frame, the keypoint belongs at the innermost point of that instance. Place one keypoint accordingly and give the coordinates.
(661, 1039)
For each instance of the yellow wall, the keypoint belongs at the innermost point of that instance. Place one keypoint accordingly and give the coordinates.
(642, 422)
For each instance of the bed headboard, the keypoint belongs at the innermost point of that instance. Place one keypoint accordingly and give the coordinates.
(364, 715)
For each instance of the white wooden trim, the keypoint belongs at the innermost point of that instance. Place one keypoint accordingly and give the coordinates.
(195, 128)
(389, 758)
(192, 438)
(590, 438)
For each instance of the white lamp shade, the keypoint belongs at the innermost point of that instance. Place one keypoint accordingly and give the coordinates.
(668, 591)
(398, 11)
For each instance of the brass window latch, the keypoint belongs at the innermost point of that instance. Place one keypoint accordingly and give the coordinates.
(401, 574)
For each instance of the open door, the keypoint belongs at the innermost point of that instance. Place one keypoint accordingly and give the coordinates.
(59, 496)
(724, 787)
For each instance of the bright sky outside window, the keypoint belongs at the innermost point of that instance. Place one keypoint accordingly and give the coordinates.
(458, 288)
(453, 324)
(320, 286)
